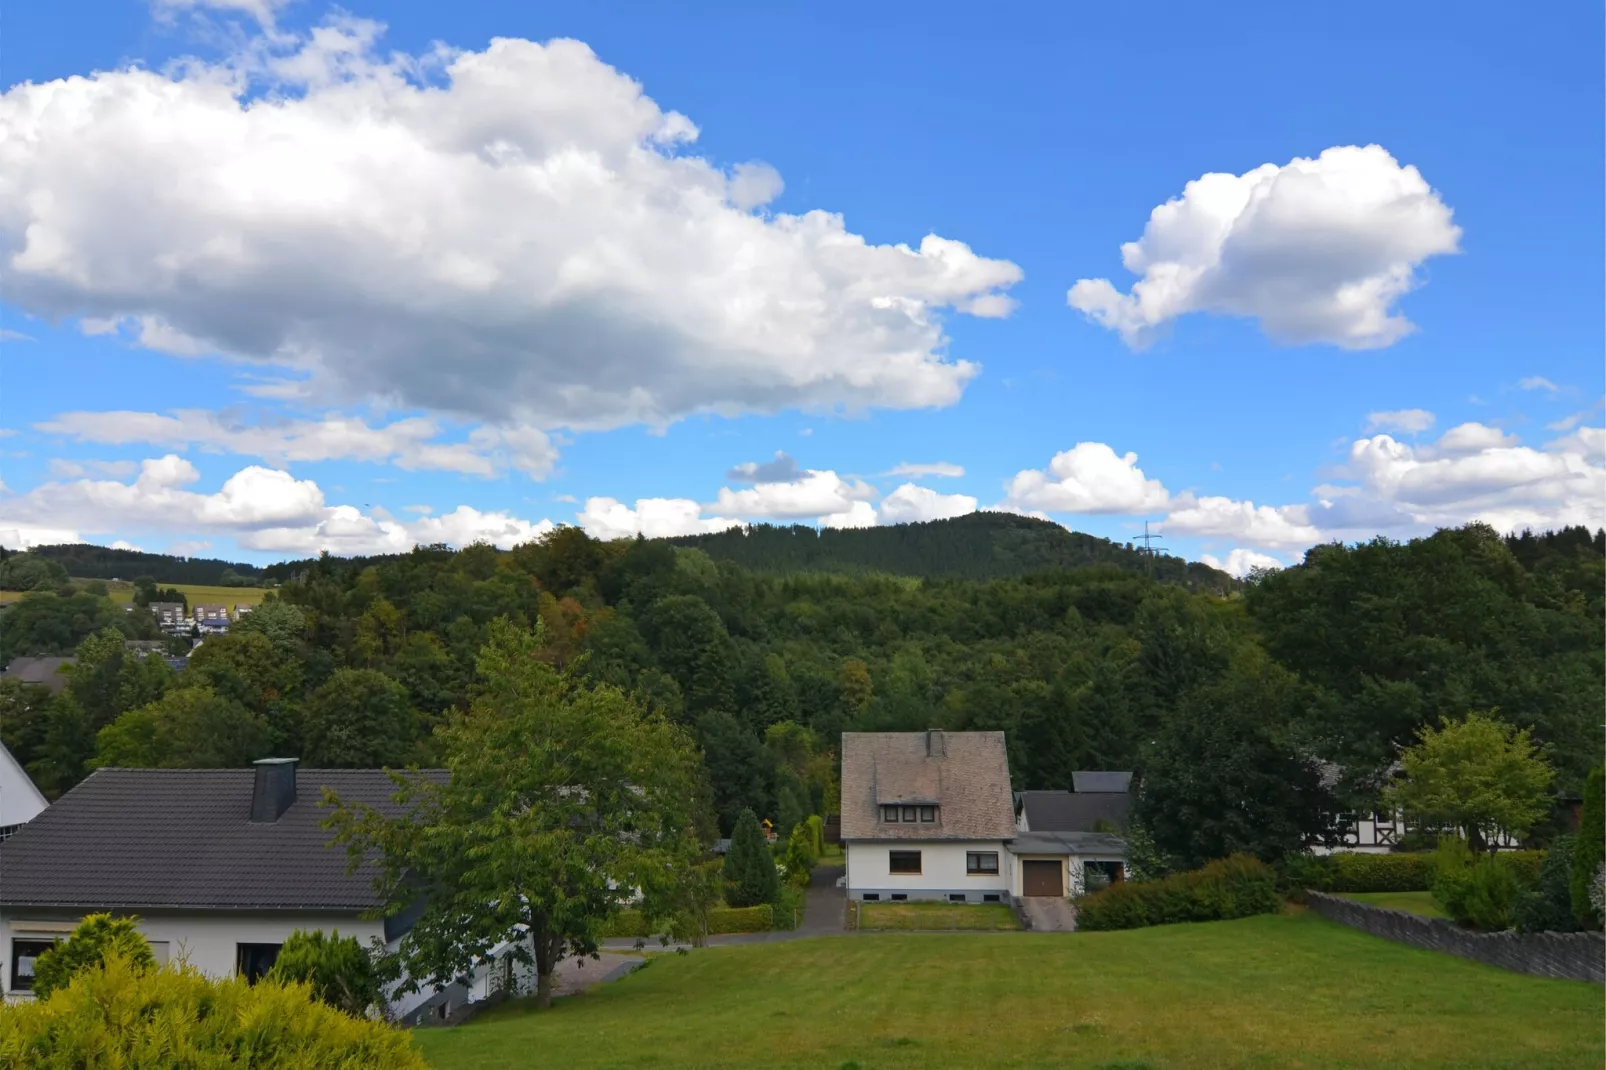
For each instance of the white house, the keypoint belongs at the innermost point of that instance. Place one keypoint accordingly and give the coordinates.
(20, 800)
(930, 815)
(927, 815)
(220, 866)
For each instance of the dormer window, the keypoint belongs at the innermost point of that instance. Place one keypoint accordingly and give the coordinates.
(909, 815)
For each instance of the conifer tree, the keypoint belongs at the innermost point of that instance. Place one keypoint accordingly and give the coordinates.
(750, 877)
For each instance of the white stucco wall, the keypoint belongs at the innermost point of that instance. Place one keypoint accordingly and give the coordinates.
(208, 942)
(942, 868)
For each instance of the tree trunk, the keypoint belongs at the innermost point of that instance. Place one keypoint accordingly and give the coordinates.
(1475, 839)
(548, 950)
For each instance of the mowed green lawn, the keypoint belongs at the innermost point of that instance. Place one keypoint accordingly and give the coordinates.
(1410, 902)
(1268, 992)
(915, 916)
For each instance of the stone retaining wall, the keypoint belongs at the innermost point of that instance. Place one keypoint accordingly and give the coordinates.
(1573, 956)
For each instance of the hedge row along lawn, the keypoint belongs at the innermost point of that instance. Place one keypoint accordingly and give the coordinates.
(984, 916)
(1410, 902)
(1271, 991)
(721, 920)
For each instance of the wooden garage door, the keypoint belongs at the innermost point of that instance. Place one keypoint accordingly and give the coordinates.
(1043, 878)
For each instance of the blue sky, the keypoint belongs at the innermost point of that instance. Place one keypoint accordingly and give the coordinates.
(574, 307)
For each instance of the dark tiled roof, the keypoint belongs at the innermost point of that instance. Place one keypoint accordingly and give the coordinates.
(1071, 811)
(153, 838)
(1100, 781)
(46, 671)
(964, 774)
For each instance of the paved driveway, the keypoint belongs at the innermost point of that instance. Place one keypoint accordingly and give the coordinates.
(824, 908)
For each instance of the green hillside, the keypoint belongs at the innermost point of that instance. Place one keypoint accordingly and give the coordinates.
(980, 546)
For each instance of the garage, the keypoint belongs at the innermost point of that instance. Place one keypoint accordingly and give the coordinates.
(1043, 878)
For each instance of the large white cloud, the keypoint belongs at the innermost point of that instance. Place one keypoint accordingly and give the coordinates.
(911, 504)
(517, 235)
(1241, 562)
(261, 508)
(813, 494)
(409, 443)
(655, 518)
(1218, 517)
(1316, 250)
(1088, 478)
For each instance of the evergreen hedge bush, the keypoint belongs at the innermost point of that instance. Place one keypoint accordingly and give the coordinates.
(1349, 871)
(629, 924)
(1548, 907)
(750, 877)
(340, 970)
(1234, 887)
(118, 1015)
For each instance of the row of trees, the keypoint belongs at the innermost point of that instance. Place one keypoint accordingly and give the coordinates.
(1292, 697)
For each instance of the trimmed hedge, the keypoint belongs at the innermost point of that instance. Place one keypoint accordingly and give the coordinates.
(629, 924)
(1234, 887)
(1401, 872)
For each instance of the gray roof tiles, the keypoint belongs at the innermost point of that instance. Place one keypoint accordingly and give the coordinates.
(1070, 811)
(182, 838)
(44, 671)
(1100, 781)
(964, 774)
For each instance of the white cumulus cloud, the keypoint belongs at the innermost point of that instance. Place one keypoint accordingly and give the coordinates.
(813, 494)
(518, 235)
(1240, 562)
(654, 518)
(261, 508)
(1088, 478)
(911, 504)
(1283, 527)
(1315, 250)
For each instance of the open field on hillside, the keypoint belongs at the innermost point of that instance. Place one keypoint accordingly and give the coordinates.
(197, 593)
(1410, 902)
(1289, 991)
(917, 916)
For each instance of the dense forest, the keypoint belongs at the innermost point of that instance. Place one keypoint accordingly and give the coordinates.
(85, 561)
(1242, 703)
(979, 546)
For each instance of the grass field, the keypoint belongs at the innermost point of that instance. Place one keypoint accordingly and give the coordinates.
(983, 916)
(1410, 902)
(120, 591)
(1269, 992)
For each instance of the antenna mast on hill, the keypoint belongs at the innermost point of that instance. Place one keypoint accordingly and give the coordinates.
(1149, 550)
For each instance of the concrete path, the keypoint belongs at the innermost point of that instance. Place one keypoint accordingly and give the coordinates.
(575, 975)
(1048, 914)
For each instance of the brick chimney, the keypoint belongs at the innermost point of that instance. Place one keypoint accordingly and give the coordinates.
(936, 745)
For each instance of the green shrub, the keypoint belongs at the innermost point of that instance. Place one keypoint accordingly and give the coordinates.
(1589, 849)
(750, 877)
(96, 937)
(1234, 887)
(741, 919)
(340, 971)
(1300, 872)
(119, 1015)
(1481, 891)
(1548, 907)
(629, 924)
(1355, 872)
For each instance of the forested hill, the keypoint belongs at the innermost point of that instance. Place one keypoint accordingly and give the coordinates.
(88, 562)
(980, 546)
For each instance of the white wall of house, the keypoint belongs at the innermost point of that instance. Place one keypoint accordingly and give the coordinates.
(209, 941)
(942, 869)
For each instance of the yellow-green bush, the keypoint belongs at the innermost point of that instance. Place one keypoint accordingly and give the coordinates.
(121, 1016)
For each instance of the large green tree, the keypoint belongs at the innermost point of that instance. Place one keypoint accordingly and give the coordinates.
(1477, 775)
(1227, 773)
(189, 728)
(358, 719)
(562, 801)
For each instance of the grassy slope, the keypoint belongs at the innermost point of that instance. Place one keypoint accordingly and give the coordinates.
(1410, 902)
(936, 916)
(1291, 991)
(196, 593)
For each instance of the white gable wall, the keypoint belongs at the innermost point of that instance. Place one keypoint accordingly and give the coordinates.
(942, 870)
(207, 940)
(20, 801)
